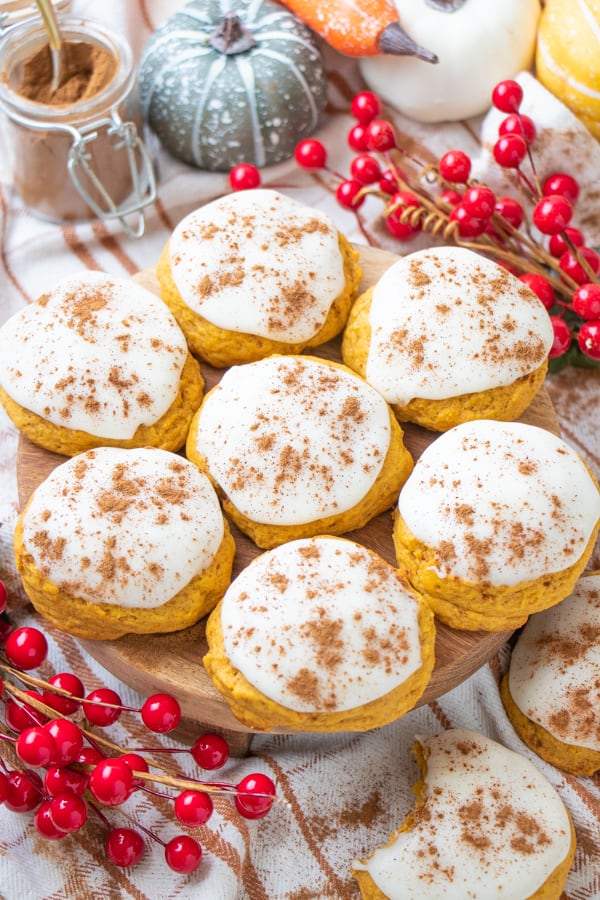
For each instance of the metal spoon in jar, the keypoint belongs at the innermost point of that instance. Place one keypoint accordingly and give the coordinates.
(48, 14)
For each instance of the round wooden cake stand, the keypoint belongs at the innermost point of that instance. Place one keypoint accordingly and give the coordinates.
(173, 662)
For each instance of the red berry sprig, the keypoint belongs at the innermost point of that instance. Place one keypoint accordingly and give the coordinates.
(83, 772)
(445, 201)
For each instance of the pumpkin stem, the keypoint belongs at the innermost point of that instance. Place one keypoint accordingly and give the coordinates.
(447, 6)
(394, 39)
(231, 36)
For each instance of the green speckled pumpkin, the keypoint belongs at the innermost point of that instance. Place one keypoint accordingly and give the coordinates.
(223, 83)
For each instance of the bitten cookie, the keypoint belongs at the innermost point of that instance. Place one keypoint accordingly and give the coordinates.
(551, 691)
(298, 446)
(320, 634)
(497, 521)
(486, 823)
(98, 361)
(447, 336)
(117, 541)
(256, 273)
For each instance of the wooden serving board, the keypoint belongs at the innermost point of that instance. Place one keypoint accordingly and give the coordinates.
(173, 662)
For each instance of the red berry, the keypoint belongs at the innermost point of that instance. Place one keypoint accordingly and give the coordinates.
(562, 337)
(3, 787)
(468, 225)
(244, 177)
(510, 151)
(365, 169)
(99, 714)
(59, 779)
(89, 756)
(347, 194)
(161, 713)
(24, 791)
(136, 763)
(66, 681)
(541, 287)
(111, 782)
(210, 751)
(455, 166)
(68, 811)
(570, 264)
(365, 107)
(44, 824)
(450, 196)
(507, 96)
(380, 136)
(552, 214)
(586, 301)
(510, 210)
(36, 747)
(124, 847)
(557, 244)
(21, 715)
(68, 739)
(388, 183)
(3, 597)
(588, 339)
(397, 222)
(518, 124)
(255, 796)
(193, 808)
(563, 184)
(183, 854)
(479, 201)
(26, 648)
(310, 154)
(358, 138)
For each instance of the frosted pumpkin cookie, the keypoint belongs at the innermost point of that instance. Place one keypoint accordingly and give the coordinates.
(320, 634)
(117, 541)
(98, 361)
(486, 823)
(298, 446)
(447, 336)
(551, 691)
(256, 273)
(497, 521)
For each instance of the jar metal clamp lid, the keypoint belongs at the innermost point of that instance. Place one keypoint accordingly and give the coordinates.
(110, 171)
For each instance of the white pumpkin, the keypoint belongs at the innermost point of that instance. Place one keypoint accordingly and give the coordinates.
(478, 42)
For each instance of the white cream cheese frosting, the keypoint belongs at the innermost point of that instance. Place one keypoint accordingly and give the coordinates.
(97, 354)
(292, 440)
(500, 502)
(258, 262)
(554, 675)
(321, 625)
(445, 321)
(125, 527)
(491, 826)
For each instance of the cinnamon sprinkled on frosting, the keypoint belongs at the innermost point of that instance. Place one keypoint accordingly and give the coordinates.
(321, 624)
(446, 321)
(258, 262)
(98, 354)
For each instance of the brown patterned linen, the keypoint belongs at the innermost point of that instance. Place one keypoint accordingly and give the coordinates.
(343, 793)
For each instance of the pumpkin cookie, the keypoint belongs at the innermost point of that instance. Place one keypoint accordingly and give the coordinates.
(486, 823)
(551, 691)
(298, 446)
(320, 634)
(447, 336)
(117, 541)
(256, 273)
(497, 521)
(98, 361)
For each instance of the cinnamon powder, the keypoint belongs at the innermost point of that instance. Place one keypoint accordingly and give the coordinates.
(86, 69)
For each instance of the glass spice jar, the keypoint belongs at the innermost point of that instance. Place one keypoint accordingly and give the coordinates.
(74, 155)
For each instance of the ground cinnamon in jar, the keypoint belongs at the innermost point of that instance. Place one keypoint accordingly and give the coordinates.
(85, 69)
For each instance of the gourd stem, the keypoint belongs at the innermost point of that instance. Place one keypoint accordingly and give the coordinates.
(231, 37)
(394, 40)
